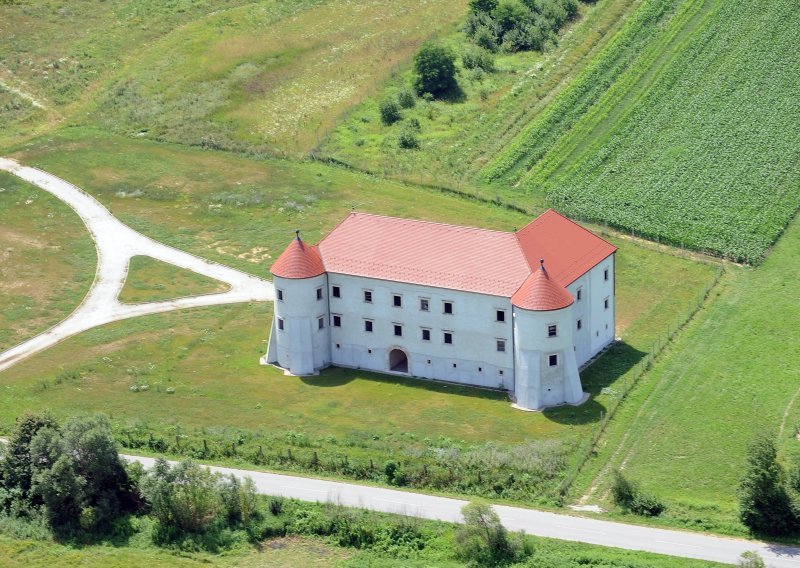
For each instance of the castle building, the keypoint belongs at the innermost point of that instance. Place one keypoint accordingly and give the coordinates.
(519, 311)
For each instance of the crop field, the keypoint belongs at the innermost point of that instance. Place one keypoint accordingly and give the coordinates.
(47, 260)
(458, 137)
(695, 144)
(150, 280)
(733, 372)
(235, 210)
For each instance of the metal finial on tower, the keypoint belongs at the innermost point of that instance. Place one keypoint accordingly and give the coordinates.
(297, 233)
(541, 262)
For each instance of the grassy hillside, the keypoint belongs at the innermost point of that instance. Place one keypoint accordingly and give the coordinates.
(683, 434)
(695, 144)
(458, 137)
(47, 260)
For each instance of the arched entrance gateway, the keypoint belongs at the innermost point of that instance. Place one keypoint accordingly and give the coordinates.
(398, 361)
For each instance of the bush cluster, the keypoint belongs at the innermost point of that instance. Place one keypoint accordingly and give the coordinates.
(516, 25)
(629, 496)
(483, 541)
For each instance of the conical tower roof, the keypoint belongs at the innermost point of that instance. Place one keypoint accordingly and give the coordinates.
(299, 260)
(540, 293)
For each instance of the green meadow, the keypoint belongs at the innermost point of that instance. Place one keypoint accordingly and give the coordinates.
(150, 280)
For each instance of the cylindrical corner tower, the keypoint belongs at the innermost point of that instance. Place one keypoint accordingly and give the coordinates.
(300, 337)
(546, 373)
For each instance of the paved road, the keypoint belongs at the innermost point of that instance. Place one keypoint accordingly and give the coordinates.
(565, 527)
(116, 243)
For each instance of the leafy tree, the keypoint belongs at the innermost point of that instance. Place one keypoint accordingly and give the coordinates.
(485, 6)
(390, 112)
(434, 69)
(16, 467)
(406, 98)
(483, 540)
(764, 503)
(474, 57)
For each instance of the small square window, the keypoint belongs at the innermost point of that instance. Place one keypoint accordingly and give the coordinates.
(579, 294)
(501, 345)
(319, 293)
(321, 323)
(480, 369)
(338, 346)
(501, 315)
(605, 303)
(448, 337)
(368, 296)
(423, 304)
(398, 330)
(579, 324)
(397, 301)
(553, 360)
(368, 325)
(280, 295)
(429, 361)
(448, 307)
(500, 372)
(336, 292)
(605, 274)
(454, 365)
(552, 330)
(337, 320)
(280, 324)
(426, 335)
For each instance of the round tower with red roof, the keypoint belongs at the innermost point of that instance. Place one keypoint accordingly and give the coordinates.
(544, 356)
(300, 338)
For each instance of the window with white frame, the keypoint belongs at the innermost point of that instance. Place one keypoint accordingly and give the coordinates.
(280, 324)
(552, 360)
(368, 296)
(398, 330)
(397, 300)
(336, 291)
(579, 294)
(321, 323)
(500, 315)
(426, 334)
(337, 320)
(448, 307)
(319, 293)
(280, 295)
(605, 303)
(552, 330)
(368, 326)
(448, 337)
(424, 304)
(501, 345)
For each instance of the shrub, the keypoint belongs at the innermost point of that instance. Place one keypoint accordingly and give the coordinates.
(484, 541)
(474, 57)
(406, 98)
(390, 112)
(434, 69)
(750, 559)
(407, 139)
(627, 495)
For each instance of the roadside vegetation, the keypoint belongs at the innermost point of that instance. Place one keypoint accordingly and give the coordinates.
(150, 280)
(47, 260)
(65, 490)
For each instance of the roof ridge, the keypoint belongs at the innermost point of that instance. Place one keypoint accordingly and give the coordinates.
(424, 221)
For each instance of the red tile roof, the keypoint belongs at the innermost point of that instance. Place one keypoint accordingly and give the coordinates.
(539, 292)
(298, 261)
(451, 256)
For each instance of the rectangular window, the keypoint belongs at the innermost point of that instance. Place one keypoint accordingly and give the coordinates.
(500, 315)
(579, 294)
(319, 293)
(426, 334)
(368, 325)
(501, 345)
(398, 330)
(579, 324)
(553, 360)
(448, 337)
(423, 304)
(448, 307)
(368, 296)
(336, 292)
(337, 320)
(280, 324)
(552, 330)
(605, 303)
(397, 301)
(320, 323)
(605, 274)
(280, 295)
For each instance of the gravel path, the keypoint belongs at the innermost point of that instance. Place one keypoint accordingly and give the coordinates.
(116, 243)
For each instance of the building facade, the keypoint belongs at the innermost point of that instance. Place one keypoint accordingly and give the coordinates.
(517, 311)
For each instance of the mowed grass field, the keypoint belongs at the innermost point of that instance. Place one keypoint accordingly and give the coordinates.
(47, 260)
(732, 373)
(695, 144)
(150, 280)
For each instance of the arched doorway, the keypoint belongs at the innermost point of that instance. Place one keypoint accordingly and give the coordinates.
(398, 361)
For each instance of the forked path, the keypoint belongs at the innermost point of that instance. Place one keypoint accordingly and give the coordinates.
(116, 243)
